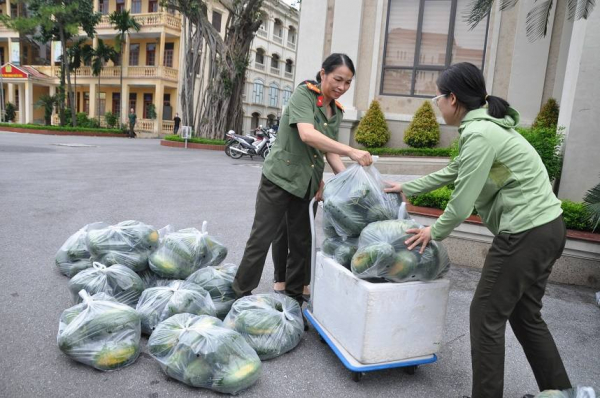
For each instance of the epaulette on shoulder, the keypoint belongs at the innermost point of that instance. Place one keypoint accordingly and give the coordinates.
(337, 103)
(313, 87)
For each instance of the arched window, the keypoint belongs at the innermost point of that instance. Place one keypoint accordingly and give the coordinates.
(264, 27)
(287, 93)
(260, 56)
(289, 66)
(274, 95)
(258, 92)
(278, 28)
(292, 35)
(270, 120)
(275, 61)
(255, 120)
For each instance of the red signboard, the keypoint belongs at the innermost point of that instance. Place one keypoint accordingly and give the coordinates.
(9, 71)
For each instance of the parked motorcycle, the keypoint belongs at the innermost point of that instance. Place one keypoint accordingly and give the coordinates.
(250, 146)
(250, 138)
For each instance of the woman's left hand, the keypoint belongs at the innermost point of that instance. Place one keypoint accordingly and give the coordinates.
(319, 194)
(421, 237)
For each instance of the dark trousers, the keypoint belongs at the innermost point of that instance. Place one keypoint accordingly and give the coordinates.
(131, 132)
(511, 288)
(272, 205)
(279, 253)
(175, 129)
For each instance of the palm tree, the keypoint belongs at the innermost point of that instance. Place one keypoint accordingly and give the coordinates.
(98, 56)
(591, 202)
(123, 23)
(537, 18)
(47, 102)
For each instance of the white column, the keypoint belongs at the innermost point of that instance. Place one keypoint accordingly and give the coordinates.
(580, 111)
(125, 103)
(528, 71)
(311, 39)
(8, 8)
(158, 102)
(28, 102)
(21, 103)
(11, 93)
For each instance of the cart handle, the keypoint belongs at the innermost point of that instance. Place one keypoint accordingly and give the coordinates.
(313, 251)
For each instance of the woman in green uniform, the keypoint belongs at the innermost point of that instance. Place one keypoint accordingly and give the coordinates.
(501, 175)
(293, 172)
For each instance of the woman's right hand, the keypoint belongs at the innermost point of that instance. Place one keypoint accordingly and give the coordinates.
(393, 187)
(361, 157)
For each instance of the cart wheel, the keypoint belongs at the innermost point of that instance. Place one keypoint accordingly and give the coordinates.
(357, 376)
(322, 340)
(410, 370)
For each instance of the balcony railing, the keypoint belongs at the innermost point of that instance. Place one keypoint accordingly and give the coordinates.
(275, 71)
(291, 45)
(167, 126)
(156, 72)
(262, 33)
(289, 75)
(258, 66)
(147, 20)
(277, 39)
(144, 125)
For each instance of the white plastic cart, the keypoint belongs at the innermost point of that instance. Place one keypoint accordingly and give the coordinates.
(375, 326)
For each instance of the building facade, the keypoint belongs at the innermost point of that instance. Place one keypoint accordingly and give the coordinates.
(151, 63)
(400, 46)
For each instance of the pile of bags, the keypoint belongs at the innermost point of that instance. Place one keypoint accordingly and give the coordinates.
(217, 281)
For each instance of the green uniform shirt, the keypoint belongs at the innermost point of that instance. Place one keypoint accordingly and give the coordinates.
(132, 118)
(496, 172)
(292, 164)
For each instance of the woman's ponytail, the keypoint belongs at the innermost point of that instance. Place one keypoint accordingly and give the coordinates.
(318, 78)
(497, 107)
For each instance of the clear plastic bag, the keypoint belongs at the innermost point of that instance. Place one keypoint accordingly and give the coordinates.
(217, 282)
(100, 332)
(73, 256)
(128, 243)
(150, 279)
(117, 281)
(340, 249)
(271, 323)
(183, 252)
(577, 392)
(382, 254)
(355, 198)
(200, 352)
(159, 303)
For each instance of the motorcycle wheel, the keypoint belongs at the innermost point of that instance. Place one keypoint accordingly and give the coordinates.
(235, 154)
(227, 145)
(266, 152)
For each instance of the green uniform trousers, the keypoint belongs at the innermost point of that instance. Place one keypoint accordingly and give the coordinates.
(274, 204)
(511, 288)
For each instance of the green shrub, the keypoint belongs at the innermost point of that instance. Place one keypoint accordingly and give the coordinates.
(195, 140)
(424, 130)
(372, 130)
(440, 152)
(576, 216)
(151, 112)
(437, 199)
(10, 112)
(111, 119)
(61, 128)
(591, 202)
(547, 142)
(548, 116)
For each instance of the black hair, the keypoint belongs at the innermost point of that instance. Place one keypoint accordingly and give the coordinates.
(466, 82)
(335, 60)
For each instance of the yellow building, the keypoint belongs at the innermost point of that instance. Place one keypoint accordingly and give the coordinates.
(150, 68)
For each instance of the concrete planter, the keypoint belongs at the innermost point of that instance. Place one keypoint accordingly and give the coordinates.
(177, 144)
(470, 242)
(57, 132)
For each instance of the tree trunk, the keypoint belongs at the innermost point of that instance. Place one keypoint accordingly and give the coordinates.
(121, 94)
(65, 65)
(98, 97)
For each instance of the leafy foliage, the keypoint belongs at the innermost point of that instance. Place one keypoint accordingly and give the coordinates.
(547, 142)
(438, 152)
(151, 112)
(62, 128)
(373, 129)
(195, 140)
(591, 202)
(111, 119)
(10, 112)
(47, 102)
(548, 115)
(424, 130)
(437, 199)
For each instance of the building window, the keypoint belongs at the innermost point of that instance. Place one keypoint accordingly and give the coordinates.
(103, 7)
(255, 120)
(216, 20)
(260, 56)
(287, 93)
(134, 54)
(169, 47)
(86, 102)
(289, 66)
(258, 92)
(424, 37)
(270, 120)
(132, 101)
(150, 54)
(274, 95)
(136, 6)
(275, 61)
(102, 104)
(120, 5)
(292, 35)
(116, 103)
(153, 6)
(147, 103)
(277, 28)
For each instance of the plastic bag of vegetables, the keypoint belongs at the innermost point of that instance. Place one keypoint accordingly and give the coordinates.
(340, 249)
(200, 352)
(150, 279)
(217, 282)
(74, 256)
(117, 281)
(577, 392)
(128, 243)
(183, 252)
(159, 303)
(100, 332)
(354, 198)
(271, 323)
(382, 254)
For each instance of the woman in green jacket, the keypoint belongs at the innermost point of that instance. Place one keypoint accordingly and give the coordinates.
(500, 174)
(293, 174)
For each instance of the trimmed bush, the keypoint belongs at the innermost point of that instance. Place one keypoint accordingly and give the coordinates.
(111, 119)
(439, 152)
(10, 112)
(548, 116)
(547, 143)
(437, 199)
(373, 130)
(424, 130)
(195, 140)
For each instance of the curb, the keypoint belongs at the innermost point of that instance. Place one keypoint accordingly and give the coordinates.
(191, 145)
(58, 132)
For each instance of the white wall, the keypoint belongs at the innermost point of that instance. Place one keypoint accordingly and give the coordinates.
(311, 39)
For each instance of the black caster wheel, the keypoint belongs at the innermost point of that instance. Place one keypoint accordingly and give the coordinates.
(357, 376)
(410, 370)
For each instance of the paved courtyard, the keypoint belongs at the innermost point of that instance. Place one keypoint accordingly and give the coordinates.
(50, 186)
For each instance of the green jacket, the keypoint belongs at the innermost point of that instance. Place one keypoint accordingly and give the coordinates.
(132, 118)
(292, 164)
(498, 173)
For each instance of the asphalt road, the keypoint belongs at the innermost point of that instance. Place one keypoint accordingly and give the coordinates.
(49, 190)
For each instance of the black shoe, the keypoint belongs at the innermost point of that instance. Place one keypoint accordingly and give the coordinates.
(528, 396)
